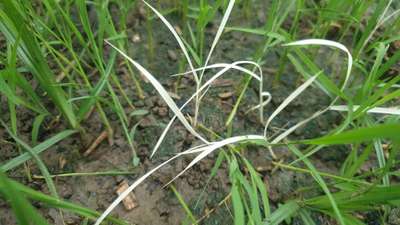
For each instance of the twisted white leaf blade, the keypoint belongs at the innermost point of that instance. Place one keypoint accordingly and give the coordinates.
(264, 103)
(130, 189)
(331, 44)
(294, 127)
(163, 93)
(219, 33)
(289, 99)
(177, 38)
(214, 44)
(226, 67)
(348, 73)
(205, 151)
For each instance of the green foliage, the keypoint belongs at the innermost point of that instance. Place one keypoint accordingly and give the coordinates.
(19, 195)
(14, 26)
(66, 54)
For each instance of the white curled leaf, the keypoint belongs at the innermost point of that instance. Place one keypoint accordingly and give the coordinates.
(329, 43)
(376, 110)
(163, 93)
(289, 99)
(177, 38)
(226, 67)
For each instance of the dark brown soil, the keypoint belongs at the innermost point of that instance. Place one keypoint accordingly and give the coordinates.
(159, 205)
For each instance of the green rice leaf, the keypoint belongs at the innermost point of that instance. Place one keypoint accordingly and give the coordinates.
(25, 214)
(390, 131)
(19, 160)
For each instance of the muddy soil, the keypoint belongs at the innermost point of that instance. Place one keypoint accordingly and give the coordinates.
(158, 205)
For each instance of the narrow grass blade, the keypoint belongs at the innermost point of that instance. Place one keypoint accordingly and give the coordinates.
(12, 26)
(19, 160)
(163, 93)
(331, 44)
(238, 211)
(129, 190)
(363, 199)
(38, 160)
(306, 217)
(390, 131)
(204, 151)
(24, 212)
(227, 67)
(37, 122)
(259, 186)
(184, 205)
(283, 212)
(6, 90)
(377, 110)
(177, 38)
(332, 87)
(321, 183)
(233, 65)
(287, 132)
(55, 202)
(208, 149)
(219, 33)
(289, 99)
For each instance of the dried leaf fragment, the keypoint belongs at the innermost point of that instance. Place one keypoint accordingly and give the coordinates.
(130, 201)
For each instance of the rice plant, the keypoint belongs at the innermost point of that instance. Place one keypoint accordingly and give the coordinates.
(241, 216)
(346, 51)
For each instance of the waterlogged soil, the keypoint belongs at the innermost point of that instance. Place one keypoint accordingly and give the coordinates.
(157, 204)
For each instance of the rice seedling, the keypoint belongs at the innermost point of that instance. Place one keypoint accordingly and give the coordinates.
(92, 47)
(55, 37)
(19, 194)
(13, 27)
(239, 207)
(344, 51)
